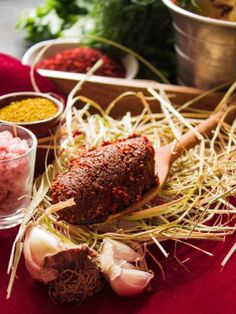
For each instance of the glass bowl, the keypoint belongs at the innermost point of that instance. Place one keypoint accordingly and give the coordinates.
(16, 173)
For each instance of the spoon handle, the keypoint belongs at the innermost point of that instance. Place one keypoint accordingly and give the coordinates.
(189, 139)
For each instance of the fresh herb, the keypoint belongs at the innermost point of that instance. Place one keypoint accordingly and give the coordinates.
(51, 18)
(143, 26)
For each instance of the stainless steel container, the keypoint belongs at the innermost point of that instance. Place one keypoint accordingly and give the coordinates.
(205, 48)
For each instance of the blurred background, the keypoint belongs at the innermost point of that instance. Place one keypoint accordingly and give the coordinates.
(197, 58)
(11, 39)
(141, 25)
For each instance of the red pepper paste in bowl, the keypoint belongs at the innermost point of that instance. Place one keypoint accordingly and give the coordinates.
(80, 60)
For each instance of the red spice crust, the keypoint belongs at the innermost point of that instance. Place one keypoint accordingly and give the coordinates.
(106, 180)
(80, 60)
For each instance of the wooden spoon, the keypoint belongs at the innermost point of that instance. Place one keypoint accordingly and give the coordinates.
(166, 155)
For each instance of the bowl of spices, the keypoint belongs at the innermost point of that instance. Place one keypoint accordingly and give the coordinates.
(40, 113)
(80, 60)
(17, 164)
(66, 61)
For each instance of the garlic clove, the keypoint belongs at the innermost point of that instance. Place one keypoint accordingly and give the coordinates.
(42, 242)
(109, 268)
(124, 278)
(127, 265)
(131, 282)
(35, 269)
(122, 250)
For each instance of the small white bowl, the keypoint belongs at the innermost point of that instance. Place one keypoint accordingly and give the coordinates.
(58, 45)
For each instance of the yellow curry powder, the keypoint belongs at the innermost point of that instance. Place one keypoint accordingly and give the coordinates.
(28, 110)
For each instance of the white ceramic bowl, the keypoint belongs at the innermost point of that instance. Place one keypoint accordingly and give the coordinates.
(57, 45)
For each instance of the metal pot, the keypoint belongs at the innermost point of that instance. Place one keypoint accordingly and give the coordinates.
(205, 48)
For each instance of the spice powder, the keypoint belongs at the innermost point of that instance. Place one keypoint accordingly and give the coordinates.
(81, 60)
(29, 110)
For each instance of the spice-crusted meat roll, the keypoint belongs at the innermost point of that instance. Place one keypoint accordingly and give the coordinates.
(105, 180)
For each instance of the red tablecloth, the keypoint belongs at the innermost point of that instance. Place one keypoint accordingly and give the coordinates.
(15, 77)
(203, 289)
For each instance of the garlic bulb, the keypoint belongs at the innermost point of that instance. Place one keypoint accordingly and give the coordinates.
(38, 243)
(71, 270)
(124, 277)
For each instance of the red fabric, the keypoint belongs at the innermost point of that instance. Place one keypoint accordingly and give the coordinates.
(15, 77)
(203, 289)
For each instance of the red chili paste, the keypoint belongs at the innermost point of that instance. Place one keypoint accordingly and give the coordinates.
(80, 60)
